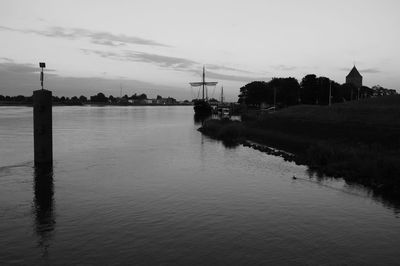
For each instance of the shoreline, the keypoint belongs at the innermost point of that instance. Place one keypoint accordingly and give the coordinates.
(330, 141)
(89, 104)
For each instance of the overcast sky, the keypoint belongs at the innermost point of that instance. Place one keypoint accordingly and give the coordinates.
(158, 47)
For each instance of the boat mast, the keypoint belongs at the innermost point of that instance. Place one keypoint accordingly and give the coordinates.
(204, 83)
(222, 94)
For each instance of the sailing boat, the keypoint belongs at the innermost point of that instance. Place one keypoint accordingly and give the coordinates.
(202, 106)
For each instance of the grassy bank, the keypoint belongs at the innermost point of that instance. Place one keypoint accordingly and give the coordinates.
(359, 141)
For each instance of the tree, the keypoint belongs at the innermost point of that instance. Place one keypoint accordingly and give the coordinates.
(366, 92)
(82, 99)
(254, 93)
(213, 100)
(142, 96)
(348, 91)
(315, 90)
(323, 84)
(19, 98)
(380, 91)
(285, 91)
(309, 89)
(100, 98)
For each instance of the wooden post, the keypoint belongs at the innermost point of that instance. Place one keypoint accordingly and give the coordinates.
(42, 127)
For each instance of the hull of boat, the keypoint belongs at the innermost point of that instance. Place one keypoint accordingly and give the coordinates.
(202, 107)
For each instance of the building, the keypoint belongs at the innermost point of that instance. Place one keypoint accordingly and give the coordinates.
(354, 77)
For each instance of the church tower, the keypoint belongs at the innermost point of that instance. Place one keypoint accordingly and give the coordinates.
(354, 77)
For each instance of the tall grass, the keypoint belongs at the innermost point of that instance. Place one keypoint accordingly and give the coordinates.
(359, 141)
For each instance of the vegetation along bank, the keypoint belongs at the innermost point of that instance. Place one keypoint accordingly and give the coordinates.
(357, 140)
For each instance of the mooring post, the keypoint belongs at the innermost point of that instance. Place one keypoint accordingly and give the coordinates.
(42, 125)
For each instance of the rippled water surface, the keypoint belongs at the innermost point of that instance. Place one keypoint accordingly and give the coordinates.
(140, 185)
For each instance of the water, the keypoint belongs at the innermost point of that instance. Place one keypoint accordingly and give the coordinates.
(139, 185)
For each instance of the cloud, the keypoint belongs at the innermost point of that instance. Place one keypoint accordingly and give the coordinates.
(370, 70)
(96, 37)
(161, 60)
(6, 59)
(284, 67)
(10, 66)
(176, 63)
(224, 68)
(23, 79)
(365, 70)
(238, 78)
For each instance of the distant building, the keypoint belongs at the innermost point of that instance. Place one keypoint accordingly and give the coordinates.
(168, 100)
(354, 77)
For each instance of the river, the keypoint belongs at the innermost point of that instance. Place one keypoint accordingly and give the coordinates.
(141, 186)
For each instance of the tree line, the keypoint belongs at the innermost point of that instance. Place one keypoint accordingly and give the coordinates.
(311, 90)
(97, 98)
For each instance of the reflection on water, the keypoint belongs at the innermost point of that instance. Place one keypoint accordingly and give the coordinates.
(355, 188)
(199, 119)
(44, 205)
(142, 185)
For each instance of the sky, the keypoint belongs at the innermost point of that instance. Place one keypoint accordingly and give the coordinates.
(158, 47)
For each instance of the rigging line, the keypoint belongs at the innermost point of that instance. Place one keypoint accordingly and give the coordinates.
(191, 92)
(212, 95)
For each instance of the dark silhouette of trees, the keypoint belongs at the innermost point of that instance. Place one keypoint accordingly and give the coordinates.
(17, 99)
(74, 100)
(142, 97)
(284, 90)
(254, 93)
(377, 90)
(99, 98)
(311, 90)
(287, 91)
(213, 100)
(82, 99)
(348, 91)
(315, 90)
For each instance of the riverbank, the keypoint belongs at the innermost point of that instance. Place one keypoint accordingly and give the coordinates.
(29, 104)
(359, 141)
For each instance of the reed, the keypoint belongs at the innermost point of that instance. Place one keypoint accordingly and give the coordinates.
(358, 141)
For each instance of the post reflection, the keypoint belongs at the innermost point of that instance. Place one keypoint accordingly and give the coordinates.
(44, 205)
